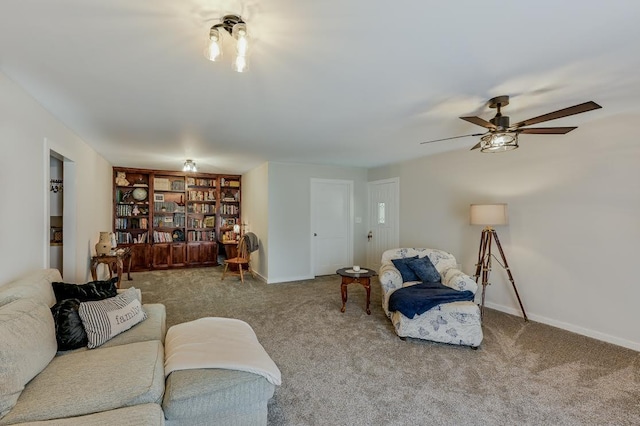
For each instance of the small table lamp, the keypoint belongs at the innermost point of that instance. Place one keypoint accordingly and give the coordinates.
(490, 215)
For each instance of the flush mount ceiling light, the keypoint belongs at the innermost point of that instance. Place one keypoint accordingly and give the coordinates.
(189, 166)
(234, 26)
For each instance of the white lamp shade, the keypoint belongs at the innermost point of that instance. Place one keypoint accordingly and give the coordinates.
(489, 214)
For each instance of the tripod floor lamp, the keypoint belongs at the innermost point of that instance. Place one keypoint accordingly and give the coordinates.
(491, 215)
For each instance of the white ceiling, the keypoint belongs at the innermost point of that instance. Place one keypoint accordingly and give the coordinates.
(357, 83)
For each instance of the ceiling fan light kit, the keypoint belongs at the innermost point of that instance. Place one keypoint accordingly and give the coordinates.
(234, 26)
(498, 142)
(502, 136)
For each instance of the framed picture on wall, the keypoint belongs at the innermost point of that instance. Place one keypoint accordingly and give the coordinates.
(158, 198)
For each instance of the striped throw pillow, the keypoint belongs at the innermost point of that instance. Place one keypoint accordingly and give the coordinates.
(107, 318)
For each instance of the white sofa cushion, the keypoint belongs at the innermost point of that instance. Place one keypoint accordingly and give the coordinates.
(85, 382)
(27, 345)
(144, 414)
(35, 285)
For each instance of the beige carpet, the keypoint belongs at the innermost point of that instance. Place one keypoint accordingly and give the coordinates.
(351, 368)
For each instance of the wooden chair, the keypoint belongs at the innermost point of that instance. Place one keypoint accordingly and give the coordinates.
(241, 261)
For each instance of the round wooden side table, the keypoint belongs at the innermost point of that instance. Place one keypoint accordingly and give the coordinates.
(362, 277)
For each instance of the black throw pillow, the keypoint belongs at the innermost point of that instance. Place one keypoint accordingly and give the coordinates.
(89, 292)
(70, 333)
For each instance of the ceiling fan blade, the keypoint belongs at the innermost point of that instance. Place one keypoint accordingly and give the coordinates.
(480, 122)
(454, 137)
(576, 109)
(547, 130)
(476, 146)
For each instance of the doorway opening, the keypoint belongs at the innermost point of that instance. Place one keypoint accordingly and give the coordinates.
(60, 213)
(56, 211)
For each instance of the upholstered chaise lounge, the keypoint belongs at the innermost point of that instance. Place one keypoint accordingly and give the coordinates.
(456, 322)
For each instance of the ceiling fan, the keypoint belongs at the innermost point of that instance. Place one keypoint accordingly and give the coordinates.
(502, 136)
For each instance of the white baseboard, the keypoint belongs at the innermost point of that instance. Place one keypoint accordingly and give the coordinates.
(260, 277)
(570, 327)
(288, 279)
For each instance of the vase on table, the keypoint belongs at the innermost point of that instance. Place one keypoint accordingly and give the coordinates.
(103, 246)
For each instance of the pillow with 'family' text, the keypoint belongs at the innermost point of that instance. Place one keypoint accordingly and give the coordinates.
(105, 319)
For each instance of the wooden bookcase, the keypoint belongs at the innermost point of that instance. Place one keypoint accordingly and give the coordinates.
(175, 219)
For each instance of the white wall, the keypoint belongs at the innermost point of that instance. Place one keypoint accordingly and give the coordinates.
(574, 234)
(254, 209)
(26, 128)
(290, 217)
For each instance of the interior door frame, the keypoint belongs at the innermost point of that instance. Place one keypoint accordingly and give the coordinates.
(350, 219)
(69, 211)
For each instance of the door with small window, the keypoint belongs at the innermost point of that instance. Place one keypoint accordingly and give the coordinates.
(384, 220)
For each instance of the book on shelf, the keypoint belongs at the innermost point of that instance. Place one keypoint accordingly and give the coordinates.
(201, 236)
(195, 222)
(201, 208)
(124, 210)
(209, 195)
(201, 182)
(162, 237)
(229, 209)
(230, 183)
(177, 185)
(168, 207)
(128, 238)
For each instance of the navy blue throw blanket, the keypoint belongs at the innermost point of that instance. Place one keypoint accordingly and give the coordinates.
(418, 299)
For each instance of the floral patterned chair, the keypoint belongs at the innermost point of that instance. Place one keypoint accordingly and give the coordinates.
(455, 322)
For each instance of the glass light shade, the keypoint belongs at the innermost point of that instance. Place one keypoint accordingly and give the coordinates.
(239, 32)
(489, 214)
(240, 64)
(189, 166)
(214, 48)
(499, 142)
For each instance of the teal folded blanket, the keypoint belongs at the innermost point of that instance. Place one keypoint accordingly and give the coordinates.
(418, 299)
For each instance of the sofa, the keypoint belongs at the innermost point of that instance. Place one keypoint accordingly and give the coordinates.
(120, 382)
(455, 322)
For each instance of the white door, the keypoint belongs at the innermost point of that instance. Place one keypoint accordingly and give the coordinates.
(384, 219)
(331, 229)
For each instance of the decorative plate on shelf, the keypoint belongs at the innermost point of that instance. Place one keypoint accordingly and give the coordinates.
(139, 194)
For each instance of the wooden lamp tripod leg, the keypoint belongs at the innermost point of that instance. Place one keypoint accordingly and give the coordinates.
(506, 266)
(483, 267)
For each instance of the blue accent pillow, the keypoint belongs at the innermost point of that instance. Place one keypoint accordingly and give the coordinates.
(424, 270)
(402, 266)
